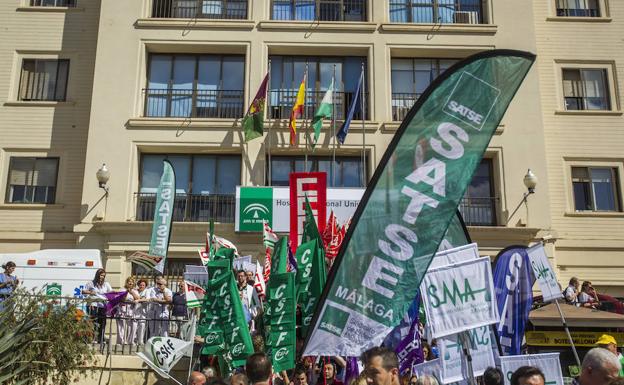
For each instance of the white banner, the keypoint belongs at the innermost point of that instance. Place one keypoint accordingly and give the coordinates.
(459, 297)
(454, 366)
(544, 273)
(547, 362)
(162, 353)
(194, 294)
(427, 368)
(241, 263)
(454, 255)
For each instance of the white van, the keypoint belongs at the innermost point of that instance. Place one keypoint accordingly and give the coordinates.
(56, 271)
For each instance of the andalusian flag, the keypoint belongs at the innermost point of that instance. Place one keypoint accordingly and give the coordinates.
(323, 112)
(253, 122)
(297, 111)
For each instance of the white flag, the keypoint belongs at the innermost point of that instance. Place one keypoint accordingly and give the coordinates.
(162, 353)
(544, 274)
(194, 294)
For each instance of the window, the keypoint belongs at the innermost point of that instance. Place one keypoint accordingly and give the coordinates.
(586, 89)
(478, 206)
(208, 9)
(287, 73)
(323, 10)
(595, 189)
(348, 170)
(44, 79)
(410, 78)
(436, 11)
(53, 3)
(32, 180)
(205, 186)
(203, 86)
(578, 8)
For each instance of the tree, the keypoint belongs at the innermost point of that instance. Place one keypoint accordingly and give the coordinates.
(43, 339)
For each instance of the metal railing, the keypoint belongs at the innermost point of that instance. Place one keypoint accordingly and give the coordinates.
(436, 11)
(563, 9)
(282, 101)
(479, 211)
(172, 103)
(53, 3)
(201, 9)
(576, 103)
(321, 10)
(401, 104)
(190, 207)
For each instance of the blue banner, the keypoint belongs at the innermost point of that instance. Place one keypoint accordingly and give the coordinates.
(513, 282)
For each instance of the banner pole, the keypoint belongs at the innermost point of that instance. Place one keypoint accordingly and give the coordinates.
(333, 172)
(565, 326)
(465, 341)
(268, 104)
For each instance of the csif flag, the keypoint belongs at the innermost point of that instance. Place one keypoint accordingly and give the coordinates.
(406, 209)
(161, 229)
(513, 283)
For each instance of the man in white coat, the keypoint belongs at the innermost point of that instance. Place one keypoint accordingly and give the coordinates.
(249, 296)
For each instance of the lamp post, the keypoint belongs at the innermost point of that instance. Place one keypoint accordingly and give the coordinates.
(530, 181)
(103, 175)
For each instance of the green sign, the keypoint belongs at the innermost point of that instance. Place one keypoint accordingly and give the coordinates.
(53, 289)
(408, 205)
(163, 214)
(256, 205)
(281, 316)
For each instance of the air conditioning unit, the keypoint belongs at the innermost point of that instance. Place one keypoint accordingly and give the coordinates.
(462, 17)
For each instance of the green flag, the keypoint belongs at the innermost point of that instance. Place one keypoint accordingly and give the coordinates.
(253, 122)
(282, 310)
(161, 229)
(279, 259)
(311, 291)
(305, 255)
(324, 111)
(406, 209)
(310, 229)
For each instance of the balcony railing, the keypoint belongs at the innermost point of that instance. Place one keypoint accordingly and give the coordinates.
(575, 103)
(190, 207)
(53, 3)
(437, 11)
(401, 104)
(174, 103)
(202, 9)
(282, 101)
(479, 211)
(321, 10)
(563, 9)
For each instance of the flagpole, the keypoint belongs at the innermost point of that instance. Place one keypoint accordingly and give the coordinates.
(305, 116)
(333, 129)
(268, 104)
(565, 326)
(363, 127)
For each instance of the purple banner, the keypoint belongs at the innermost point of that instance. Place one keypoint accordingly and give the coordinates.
(114, 298)
(352, 371)
(409, 350)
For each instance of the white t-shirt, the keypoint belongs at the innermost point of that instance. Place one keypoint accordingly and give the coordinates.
(99, 292)
(159, 310)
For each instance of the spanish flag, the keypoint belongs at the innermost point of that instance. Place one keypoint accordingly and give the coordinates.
(297, 111)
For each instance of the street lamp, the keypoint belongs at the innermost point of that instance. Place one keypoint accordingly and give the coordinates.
(102, 176)
(530, 181)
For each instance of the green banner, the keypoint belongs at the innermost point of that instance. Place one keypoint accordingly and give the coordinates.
(281, 316)
(305, 256)
(406, 209)
(309, 298)
(161, 229)
(218, 268)
(279, 258)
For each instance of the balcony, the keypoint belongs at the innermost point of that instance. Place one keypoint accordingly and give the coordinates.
(53, 3)
(282, 101)
(193, 103)
(437, 11)
(319, 10)
(200, 9)
(479, 211)
(401, 104)
(190, 207)
(563, 9)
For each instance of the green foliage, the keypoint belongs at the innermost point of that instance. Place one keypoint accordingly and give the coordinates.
(42, 341)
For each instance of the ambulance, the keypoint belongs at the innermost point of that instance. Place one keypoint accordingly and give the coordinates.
(56, 272)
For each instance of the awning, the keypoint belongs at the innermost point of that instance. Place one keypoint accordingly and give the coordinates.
(575, 317)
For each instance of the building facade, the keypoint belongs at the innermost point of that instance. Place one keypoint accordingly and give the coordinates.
(580, 61)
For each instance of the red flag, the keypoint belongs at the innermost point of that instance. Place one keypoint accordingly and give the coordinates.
(331, 228)
(267, 265)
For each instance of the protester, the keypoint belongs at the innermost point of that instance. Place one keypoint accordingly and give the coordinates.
(126, 326)
(599, 367)
(300, 377)
(608, 342)
(250, 277)
(239, 379)
(258, 369)
(209, 372)
(179, 311)
(427, 380)
(197, 378)
(140, 312)
(572, 291)
(493, 376)
(160, 298)
(8, 281)
(528, 375)
(427, 353)
(248, 294)
(97, 310)
(381, 366)
(329, 375)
